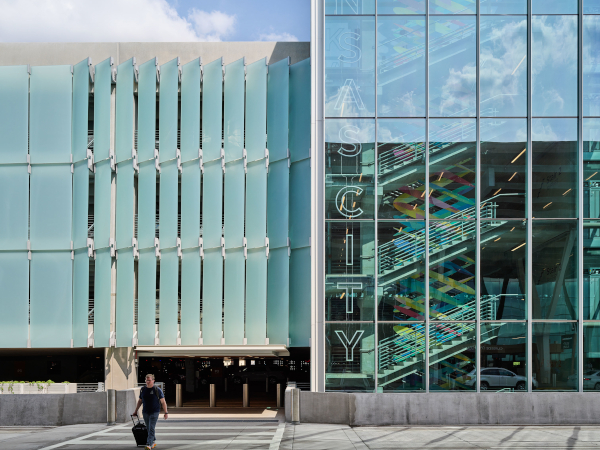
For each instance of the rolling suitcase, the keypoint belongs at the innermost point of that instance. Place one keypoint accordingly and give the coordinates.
(140, 432)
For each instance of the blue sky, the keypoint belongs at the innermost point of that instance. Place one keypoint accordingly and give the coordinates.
(154, 20)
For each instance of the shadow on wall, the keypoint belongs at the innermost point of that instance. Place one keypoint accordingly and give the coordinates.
(296, 52)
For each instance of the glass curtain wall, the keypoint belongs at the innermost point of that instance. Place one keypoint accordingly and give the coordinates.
(462, 161)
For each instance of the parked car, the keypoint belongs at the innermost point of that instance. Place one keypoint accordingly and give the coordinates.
(498, 378)
(591, 380)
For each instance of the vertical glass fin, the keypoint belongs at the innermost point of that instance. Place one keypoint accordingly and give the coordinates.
(14, 301)
(190, 110)
(256, 297)
(169, 280)
(256, 109)
(125, 304)
(146, 129)
(234, 110)
(14, 114)
(124, 111)
(278, 100)
(168, 109)
(233, 320)
(212, 297)
(299, 118)
(82, 85)
(278, 296)
(190, 297)
(212, 110)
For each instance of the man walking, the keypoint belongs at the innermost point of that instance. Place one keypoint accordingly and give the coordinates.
(152, 397)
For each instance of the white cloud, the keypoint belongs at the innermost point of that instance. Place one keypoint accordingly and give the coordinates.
(279, 37)
(108, 21)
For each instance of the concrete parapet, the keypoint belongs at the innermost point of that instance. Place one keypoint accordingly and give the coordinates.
(452, 408)
(126, 401)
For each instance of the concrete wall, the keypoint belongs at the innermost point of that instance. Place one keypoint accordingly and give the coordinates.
(538, 408)
(49, 53)
(126, 401)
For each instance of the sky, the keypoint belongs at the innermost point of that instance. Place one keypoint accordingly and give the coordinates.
(154, 20)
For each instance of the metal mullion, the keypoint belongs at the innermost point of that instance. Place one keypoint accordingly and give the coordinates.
(529, 188)
(478, 208)
(580, 197)
(426, 206)
(375, 218)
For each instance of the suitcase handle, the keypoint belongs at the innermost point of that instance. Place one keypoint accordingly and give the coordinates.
(138, 418)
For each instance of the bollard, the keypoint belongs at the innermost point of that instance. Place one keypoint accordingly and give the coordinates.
(178, 396)
(278, 395)
(111, 408)
(295, 395)
(245, 402)
(213, 396)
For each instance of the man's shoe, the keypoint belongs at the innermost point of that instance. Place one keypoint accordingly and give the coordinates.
(147, 448)
(154, 446)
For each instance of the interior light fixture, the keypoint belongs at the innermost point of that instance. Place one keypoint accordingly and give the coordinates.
(518, 156)
(496, 193)
(518, 65)
(512, 229)
(360, 178)
(496, 240)
(513, 175)
(440, 176)
(342, 296)
(591, 176)
(567, 192)
(516, 248)
(547, 205)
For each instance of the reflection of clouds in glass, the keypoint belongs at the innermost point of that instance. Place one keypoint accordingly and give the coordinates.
(457, 92)
(503, 130)
(400, 130)
(554, 130)
(591, 130)
(554, 65)
(452, 130)
(350, 130)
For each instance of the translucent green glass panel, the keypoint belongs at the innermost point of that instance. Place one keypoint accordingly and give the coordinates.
(591, 168)
(190, 110)
(300, 288)
(50, 299)
(81, 293)
(278, 99)
(234, 204)
(190, 205)
(278, 296)
(146, 205)
(591, 354)
(50, 104)
(124, 303)
(14, 301)
(14, 207)
(349, 357)
(278, 203)
(102, 105)
(212, 205)
(452, 356)
(124, 111)
(168, 109)
(102, 198)
(555, 356)
(146, 127)
(212, 109)
(50, 206)
(125, 205)
(299, 223)
(81, 187)
(81, 98)
(299, 125)
(234, 110)
(14, 114)
(591, 270)
(233, 321)
(169, 179)
(190, 296)
(146, 297)
(102, 298)
(212, 297)
(256, 297)
(401, 357)
(256, 110)
(169, 281)
(256, 204)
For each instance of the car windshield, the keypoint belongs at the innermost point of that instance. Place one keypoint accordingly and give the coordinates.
(591, 372)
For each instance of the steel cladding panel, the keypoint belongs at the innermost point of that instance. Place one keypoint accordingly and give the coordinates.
(14, 114)
(125, 206)
(81, 293)
(124, 302)
(14, 207)
(124, 111)
(300, 204)
(212, 297)
(102, 100)
(169, 281)
(190, 297)
(256, 110)
(278, 296)
(50, 103)
(190, 205)
(102, 298)
(14, 301)
(300, 284)
(234, 110)
(256, 297)
(146, 205)
(299, 128)
(146, 297)
(212, 110)
(190, 110)
(256, 204)
(146, 137)
(278, 203)
(81, 187)
(81, 100)
(233, 321)
(234, 204)
(278, 98)
(102, 198)
(50, 209)
(212, 205)
(50, 299)
(168, 106)
(169, 185)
